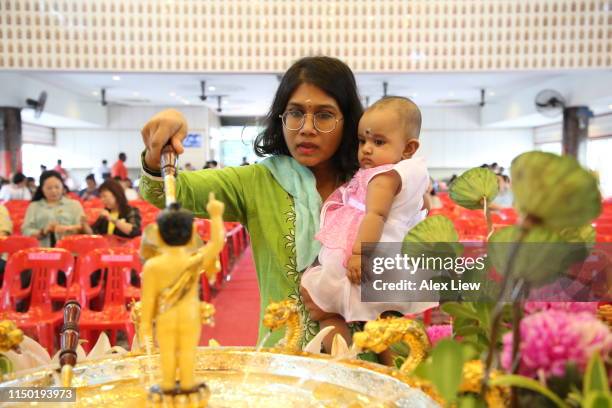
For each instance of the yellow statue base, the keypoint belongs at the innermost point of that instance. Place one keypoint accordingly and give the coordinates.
(197, 397)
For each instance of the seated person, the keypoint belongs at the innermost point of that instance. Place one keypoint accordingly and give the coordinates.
(17, 190)
(504, 198)
(130, 193)
(31, 184)
(51, 215)
(91, 190)
(434, 201)
(117, 218)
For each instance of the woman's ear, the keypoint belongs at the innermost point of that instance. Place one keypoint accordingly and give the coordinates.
(412, 145)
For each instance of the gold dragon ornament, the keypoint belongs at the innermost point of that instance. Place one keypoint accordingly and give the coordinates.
(378, 335)
(10, 336)
(285, 313)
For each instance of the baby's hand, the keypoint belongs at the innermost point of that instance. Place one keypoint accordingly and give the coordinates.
(214, 207)
(353, 269)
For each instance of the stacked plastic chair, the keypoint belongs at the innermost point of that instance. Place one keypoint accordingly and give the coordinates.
(114, 315)
(78, 246)
(17, 210)
(39, 320)
(12, 244)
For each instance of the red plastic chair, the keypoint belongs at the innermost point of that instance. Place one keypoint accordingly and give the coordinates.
(10, 245)
(203, 228)
(39, 320)
(17, 210)
(78, 245)
(114, 315)
(74, 196)
(92, 208)
(117, 242)
(224, 259)
(131, 291)
(234, 232)
(134, 243)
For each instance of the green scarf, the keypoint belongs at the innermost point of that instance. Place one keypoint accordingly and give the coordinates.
(300, 183)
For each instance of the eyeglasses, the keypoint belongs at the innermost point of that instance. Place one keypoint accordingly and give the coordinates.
(324, 122)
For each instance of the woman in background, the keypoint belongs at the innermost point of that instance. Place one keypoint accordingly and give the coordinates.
(117, 218)
(51, 215)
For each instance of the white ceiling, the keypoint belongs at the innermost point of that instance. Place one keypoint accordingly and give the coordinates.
(251, 95)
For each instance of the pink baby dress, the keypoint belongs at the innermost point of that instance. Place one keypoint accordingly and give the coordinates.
(341, 217)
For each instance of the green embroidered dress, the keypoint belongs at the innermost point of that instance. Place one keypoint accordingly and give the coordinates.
(263, 197)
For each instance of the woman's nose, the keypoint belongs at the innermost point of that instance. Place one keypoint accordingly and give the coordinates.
(308, 124)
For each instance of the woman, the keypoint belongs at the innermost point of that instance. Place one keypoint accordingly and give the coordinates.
(311, 135)
(51, 216)
(117, 217)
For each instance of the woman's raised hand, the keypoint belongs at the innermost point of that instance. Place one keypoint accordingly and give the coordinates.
(168, 126)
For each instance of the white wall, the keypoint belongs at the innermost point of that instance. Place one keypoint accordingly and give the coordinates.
(62, 106)
(453, 141)
(599, 126)
(454, 151)
(83, 149)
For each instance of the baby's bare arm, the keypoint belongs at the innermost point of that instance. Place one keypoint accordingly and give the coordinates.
(379, 199)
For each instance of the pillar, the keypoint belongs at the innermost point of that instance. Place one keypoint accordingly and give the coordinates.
(10, 141)
(576, 132)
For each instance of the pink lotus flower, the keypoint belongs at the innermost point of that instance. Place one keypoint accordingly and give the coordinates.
(439, 332)
(574, 307)
(552, 338)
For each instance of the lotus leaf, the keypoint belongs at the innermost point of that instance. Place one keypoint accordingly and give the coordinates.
(540, 256)
(585, 234)
(434, 236)
(554, 190)
(580, 242)
(472, 186)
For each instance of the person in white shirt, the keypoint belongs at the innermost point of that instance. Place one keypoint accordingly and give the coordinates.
(130, 193)
(102, 172)
(17, 190)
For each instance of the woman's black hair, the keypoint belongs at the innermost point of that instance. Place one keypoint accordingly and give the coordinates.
(334, 78)
(117, 191)
(47, 174)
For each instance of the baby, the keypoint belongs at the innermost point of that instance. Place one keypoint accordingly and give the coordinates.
(381, 203)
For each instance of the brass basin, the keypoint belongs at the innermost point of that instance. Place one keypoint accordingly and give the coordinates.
(240, 377)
